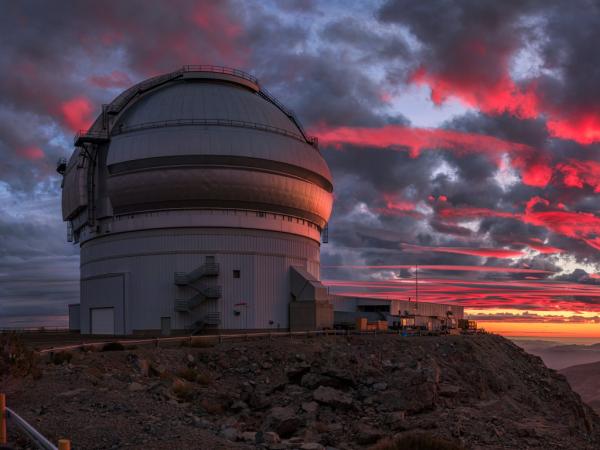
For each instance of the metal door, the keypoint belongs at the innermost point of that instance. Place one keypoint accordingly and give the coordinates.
(102, 320)
(165, 326)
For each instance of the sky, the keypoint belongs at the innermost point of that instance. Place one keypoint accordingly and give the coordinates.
(463, 136)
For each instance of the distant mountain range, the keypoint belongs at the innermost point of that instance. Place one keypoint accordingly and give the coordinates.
(580, 364)
(560, 356)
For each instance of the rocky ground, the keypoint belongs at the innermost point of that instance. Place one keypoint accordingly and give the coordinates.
(480, 392)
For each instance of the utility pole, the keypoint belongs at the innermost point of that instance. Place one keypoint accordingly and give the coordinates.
(417, 287)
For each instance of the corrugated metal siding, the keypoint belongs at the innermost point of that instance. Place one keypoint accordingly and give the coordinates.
(348, 304)
(107, 290)
(152, 258)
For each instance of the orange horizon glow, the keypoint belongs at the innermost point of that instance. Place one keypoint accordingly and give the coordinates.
(540, 329)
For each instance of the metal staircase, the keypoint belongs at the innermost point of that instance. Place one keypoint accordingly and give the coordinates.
(212, 319)
(203, 292)
(205, 270)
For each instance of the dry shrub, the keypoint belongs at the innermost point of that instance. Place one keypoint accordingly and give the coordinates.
(15, 358)
(112, 347)
(199, 342)
(61, 357)
(88, 348)
(211, 406)
(321, 427)
(188, 374)
(416, 441)
(182, 389)
(204, 379)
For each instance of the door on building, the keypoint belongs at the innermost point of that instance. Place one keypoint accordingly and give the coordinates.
(102, 320)
(165, 326)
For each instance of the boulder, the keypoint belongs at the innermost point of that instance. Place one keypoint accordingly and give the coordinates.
(135, 387)
(248, 436)
(230, 433)
(283, 420)
(332, 397)
(366, 434)
(310, 407)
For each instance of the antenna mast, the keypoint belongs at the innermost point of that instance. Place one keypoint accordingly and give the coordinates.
(417, 286)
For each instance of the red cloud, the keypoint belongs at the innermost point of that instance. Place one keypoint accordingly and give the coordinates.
(31, 153)
(528, 294)
(450, 213)
(494, 96)
(583, 128)
(577, 174)
(417, 139)
(546, 249)
(577, 225)
(220, 30)
(399, 204)
(443, 268)
(115, 79)
(535, 171)
(500, 94)
(482, 252)
(77, 113)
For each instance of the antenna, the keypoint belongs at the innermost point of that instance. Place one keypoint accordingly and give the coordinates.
(416, 286)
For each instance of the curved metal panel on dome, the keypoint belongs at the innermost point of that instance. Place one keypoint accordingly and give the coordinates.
(205, 99)
(217, 141)
(218, 188)
(74, 197)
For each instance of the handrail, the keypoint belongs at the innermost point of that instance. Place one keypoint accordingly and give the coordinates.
(34, 435)
(220, 337)
(210, 122)
(91, 134)
(219, 69)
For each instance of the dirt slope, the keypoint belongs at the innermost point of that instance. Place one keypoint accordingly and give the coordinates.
(585, 380)
(310, 393)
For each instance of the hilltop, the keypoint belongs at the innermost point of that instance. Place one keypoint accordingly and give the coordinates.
(480, 392)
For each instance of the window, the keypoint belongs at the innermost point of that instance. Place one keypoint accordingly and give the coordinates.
(210, 259)
(236, 274)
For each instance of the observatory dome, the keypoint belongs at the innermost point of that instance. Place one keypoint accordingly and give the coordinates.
(202, 142)
(192, 194)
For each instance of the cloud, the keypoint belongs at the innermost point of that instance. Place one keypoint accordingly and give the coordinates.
(506, 190)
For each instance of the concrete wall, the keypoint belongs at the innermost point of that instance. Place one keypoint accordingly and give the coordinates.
(146, 261)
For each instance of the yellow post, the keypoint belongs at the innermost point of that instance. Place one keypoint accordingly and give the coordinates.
(3, 437)
(64, 444)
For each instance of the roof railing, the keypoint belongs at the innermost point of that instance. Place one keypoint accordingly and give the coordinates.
(118, 103)
(219, 69)
(89, 136)
(212, 122)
